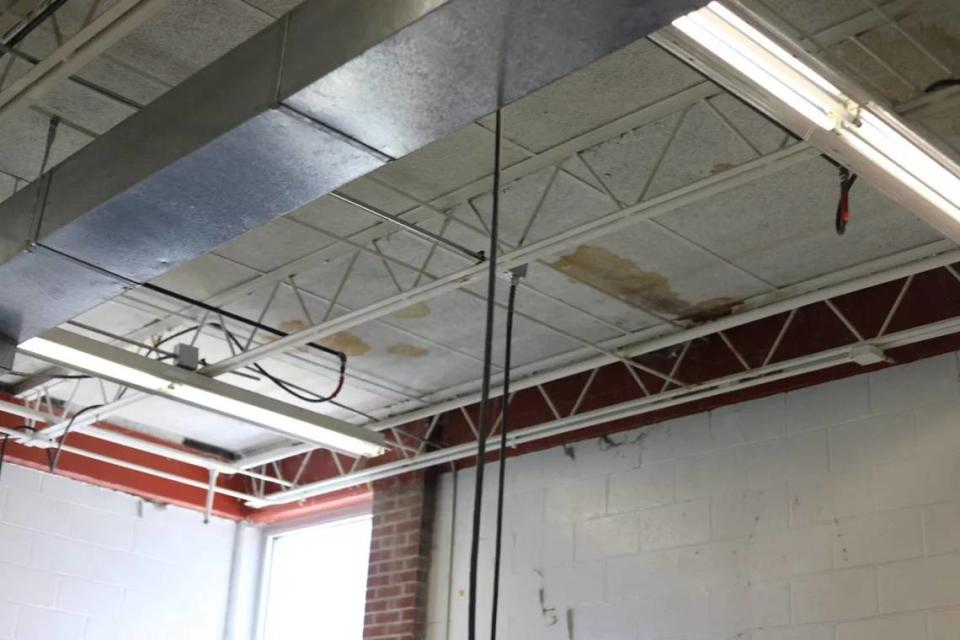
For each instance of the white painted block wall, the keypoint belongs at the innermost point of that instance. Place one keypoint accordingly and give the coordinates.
(79, 562)
(829, 513)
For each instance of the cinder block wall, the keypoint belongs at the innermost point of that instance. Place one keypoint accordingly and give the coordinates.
(79, 562)
(829, 513)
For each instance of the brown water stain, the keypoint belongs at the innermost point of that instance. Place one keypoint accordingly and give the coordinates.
(407, 350)
(292, 326)
(350, 344)
(622, 278)
(720, 167)
(414, 311)
(711, 309)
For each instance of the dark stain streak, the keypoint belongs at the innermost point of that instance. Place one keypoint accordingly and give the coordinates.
(622, 278)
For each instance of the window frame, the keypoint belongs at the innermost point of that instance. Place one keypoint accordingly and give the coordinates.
(273, 532)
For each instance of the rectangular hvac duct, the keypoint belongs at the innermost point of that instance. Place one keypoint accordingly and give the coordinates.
(325, 95)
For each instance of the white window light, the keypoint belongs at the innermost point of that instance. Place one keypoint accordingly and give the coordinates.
(878, 136)
(106, 361)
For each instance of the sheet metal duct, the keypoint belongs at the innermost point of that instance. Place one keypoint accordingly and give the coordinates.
(325, 95)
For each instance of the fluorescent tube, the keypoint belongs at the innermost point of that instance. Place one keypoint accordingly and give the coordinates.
(876, 135)
(123, 367)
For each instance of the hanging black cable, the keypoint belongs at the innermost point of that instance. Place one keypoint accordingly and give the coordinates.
(484, 418)
(504, 425)
(55, 460)
(3, 451)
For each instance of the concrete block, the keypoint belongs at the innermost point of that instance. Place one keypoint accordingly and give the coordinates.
(871, 440)
(651, 485)
(36, 512)
(606, 621)
(14, 545)
(941, 526)
(916, 480)
(797, 632)
(581, 500)
(878, 537)
(47, 624)
(22, 585)
(8, 620)
(606, 537)
(749, 421)
(17, 477)
(912, 626)
(791, 552)
(710, 474)
(737, 608)
(556, 548)
(944, 624)
(751, 510)
(922, 583)
(822, 499)
(714, 563)
(914, 385)
(88, 495)
(675, 525)
(89, 598)
(642, 576)
(680, 613)
(827, 404)
(795, 456)
(102, 528)
(937, 431)
(576, 585)
(834, 596)
(677, 438)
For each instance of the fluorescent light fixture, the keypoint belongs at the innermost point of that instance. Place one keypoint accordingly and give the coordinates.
(112, 363)
(766, 63)
(875, 134)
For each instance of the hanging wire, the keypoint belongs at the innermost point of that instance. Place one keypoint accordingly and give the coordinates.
(505, 404)
(484, 418)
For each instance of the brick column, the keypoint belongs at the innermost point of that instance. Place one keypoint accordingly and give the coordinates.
(399, 557)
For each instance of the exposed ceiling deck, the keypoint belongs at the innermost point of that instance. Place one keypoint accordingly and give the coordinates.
(648, 198)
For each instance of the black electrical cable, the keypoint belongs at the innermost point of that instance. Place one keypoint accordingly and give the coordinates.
(484, 418)
(943, 83)
(289, 387)
(505, 404)
(233, 316)
(3, 451)
(55, 460)
(32, 24)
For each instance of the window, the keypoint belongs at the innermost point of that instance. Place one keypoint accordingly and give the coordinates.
(316, 582)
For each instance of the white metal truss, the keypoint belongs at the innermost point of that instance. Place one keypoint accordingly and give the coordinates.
(588, 357)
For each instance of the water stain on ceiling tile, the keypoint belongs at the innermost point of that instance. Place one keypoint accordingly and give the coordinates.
(348, 343)
(624, 279)
(414, 311)
(407, 350)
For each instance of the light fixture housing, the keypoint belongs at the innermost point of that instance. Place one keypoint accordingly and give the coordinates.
(102, 360)
(778, 76)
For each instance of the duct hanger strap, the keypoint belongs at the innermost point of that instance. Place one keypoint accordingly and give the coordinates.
(40, 199)
(430, 236)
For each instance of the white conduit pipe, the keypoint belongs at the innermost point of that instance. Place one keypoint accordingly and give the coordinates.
(136, 443)
(141, 468)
